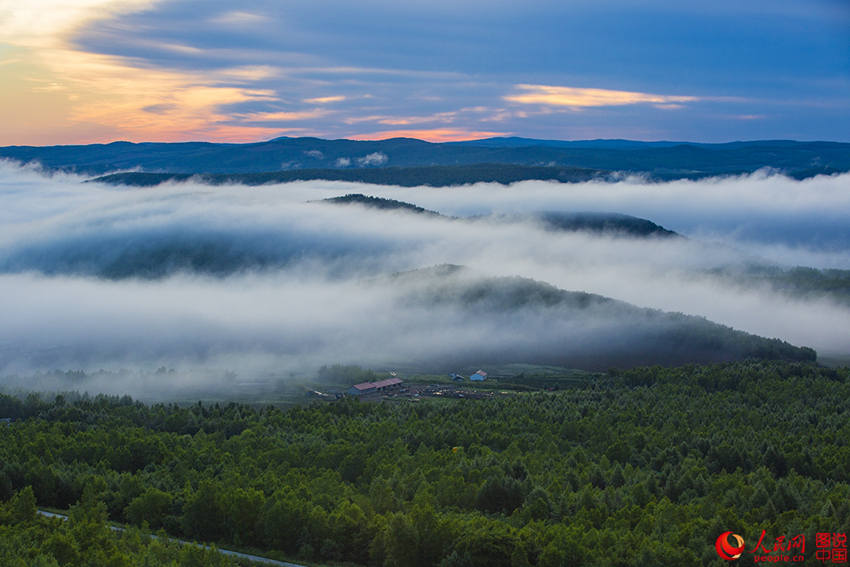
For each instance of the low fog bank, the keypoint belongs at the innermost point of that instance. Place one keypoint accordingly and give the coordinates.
(759, 209)
(770, 210)
(251, 325)
(266, 280)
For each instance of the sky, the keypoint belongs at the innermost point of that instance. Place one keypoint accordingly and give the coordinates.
(177, 70)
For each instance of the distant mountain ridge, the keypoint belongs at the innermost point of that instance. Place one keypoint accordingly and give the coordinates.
(518, 142)
(662, 160)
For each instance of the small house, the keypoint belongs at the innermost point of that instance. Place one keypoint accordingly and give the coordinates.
(479, 376)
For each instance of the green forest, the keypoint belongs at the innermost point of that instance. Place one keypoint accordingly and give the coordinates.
(640, 467)
(30, 540)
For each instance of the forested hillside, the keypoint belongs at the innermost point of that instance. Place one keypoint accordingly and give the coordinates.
(643, 467)
(460, 162)
(31, 540)
(378, 203)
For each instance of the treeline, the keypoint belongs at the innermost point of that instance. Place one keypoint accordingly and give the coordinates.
(641, 467)
(432, 175)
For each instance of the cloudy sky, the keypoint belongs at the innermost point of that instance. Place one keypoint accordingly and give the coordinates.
(172, 70)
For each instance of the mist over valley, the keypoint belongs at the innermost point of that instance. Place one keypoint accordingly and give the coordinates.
(282, 279)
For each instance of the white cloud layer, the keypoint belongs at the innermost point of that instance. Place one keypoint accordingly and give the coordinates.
(262, 278)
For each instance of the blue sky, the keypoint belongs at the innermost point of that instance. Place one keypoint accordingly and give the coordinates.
(189, 70)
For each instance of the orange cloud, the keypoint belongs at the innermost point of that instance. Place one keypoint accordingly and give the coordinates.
(51, 88)
(324, 99)
(114, 95)
(408, 120)
(432, 135)
(282, 116)
(575, 97)
(105, 98)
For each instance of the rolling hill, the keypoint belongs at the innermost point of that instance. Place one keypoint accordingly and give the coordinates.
(661, 160)
(585, 330)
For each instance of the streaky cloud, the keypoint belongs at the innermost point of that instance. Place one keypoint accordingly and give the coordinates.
(581, 97)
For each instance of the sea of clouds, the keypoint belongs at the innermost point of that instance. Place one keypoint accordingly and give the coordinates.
(268, 278)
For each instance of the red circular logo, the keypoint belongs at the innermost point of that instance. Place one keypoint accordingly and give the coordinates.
(726, 550)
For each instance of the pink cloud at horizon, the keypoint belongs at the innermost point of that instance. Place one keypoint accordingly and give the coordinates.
(430, 135)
